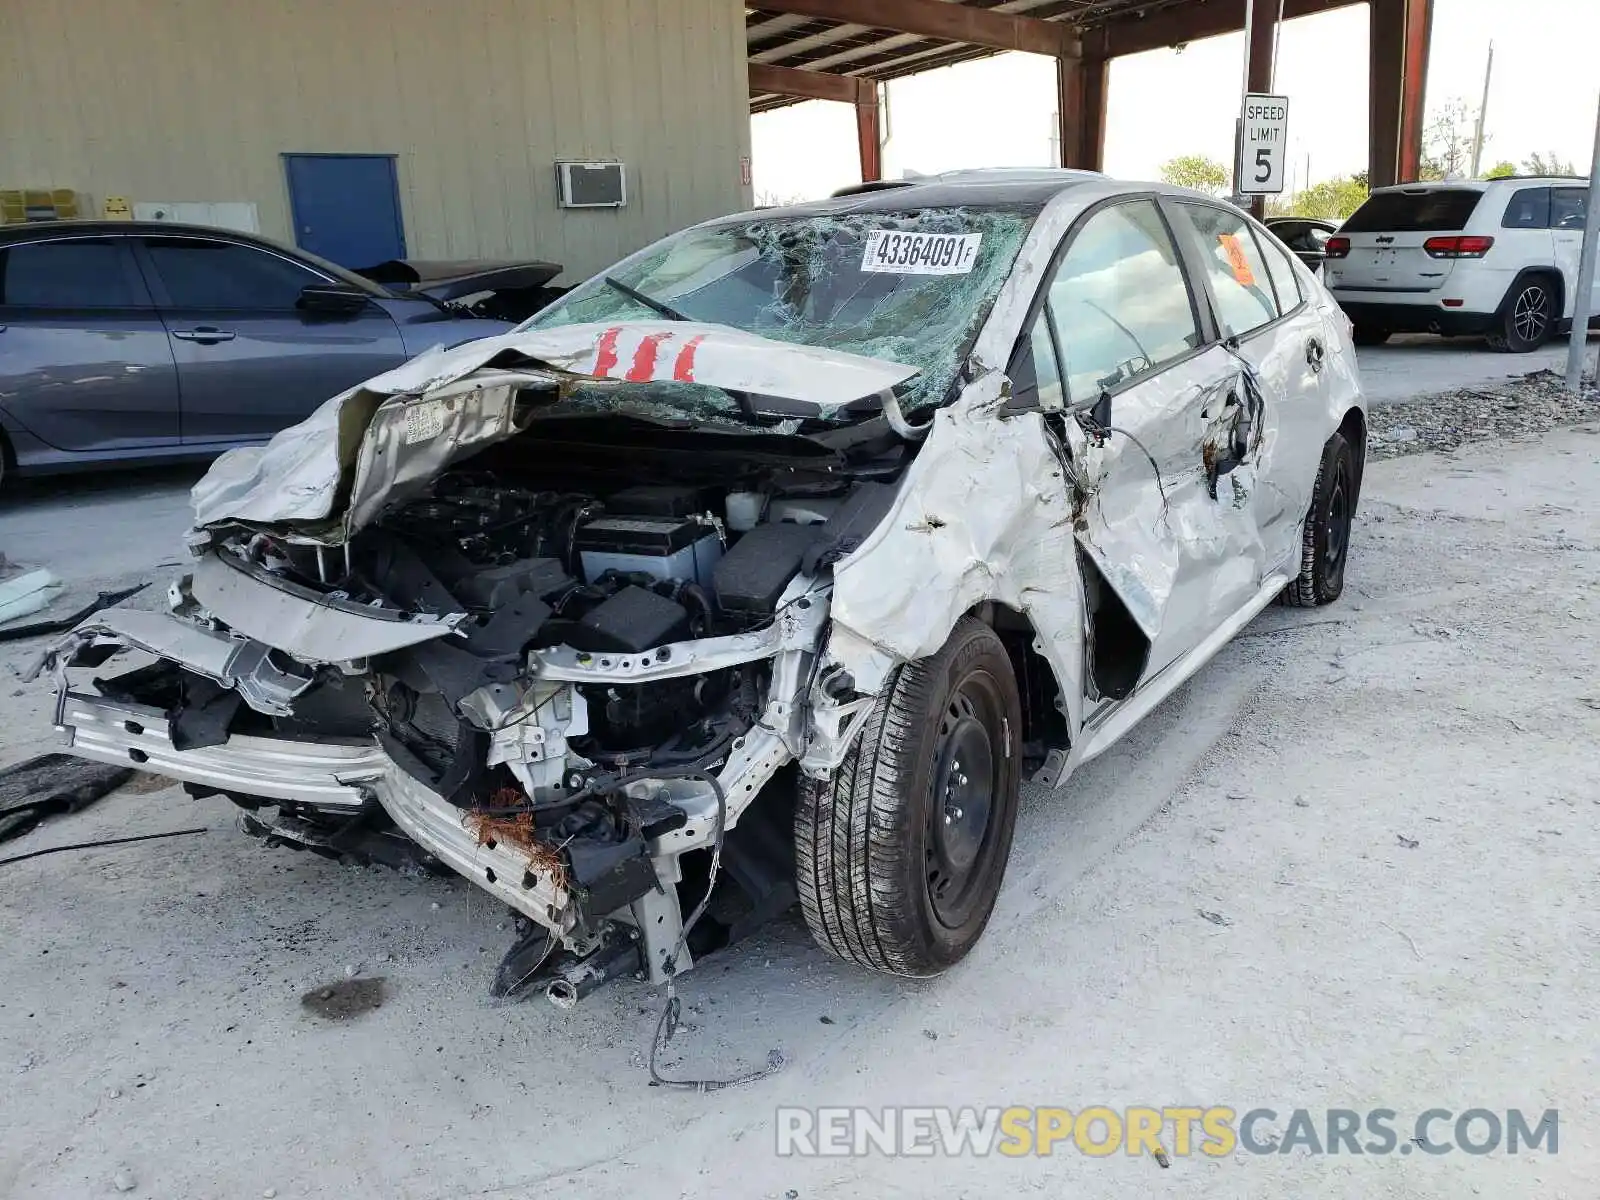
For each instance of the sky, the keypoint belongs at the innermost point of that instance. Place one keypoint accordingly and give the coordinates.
(1000, 111)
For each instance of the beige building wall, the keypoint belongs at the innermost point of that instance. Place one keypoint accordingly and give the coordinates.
(196, 101)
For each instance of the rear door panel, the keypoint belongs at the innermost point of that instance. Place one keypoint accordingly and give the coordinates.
(1567, 209)
(85, 363)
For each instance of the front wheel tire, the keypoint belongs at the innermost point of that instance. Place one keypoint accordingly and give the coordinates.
(900, 855)
(1325, 544)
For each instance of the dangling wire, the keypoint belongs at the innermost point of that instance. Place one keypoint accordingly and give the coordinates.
(667, 1023)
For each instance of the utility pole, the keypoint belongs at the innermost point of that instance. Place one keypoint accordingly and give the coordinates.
(1578, 340)
(1483, 113)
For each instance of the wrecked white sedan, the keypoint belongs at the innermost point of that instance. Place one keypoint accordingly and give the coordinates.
(780, 555)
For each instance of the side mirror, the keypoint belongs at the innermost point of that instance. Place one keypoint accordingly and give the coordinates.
(332, 298)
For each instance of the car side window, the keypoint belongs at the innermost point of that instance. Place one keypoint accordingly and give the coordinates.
(1240, 280)
(1567, 208)
(1284, 281)
(71, 273)
(1528, 208)
(1119, 300)
(198, 273)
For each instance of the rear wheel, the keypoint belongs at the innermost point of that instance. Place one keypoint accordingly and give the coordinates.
(1371, 335)
(1527, 318)
(1325, 545)
(899, 856)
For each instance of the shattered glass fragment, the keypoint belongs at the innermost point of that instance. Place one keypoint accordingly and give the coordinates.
(802, 279)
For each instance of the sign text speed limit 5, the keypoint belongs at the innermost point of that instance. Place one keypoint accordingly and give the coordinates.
(1263, 145)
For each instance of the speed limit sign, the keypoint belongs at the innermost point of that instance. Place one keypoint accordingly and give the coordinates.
(1263, 145)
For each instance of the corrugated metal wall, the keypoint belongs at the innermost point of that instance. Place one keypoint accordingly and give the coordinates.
(195, 100)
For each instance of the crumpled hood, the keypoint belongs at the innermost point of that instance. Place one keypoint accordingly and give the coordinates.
(457, 403)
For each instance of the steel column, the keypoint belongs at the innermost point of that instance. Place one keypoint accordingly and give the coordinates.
(1400, 33)
(1081, 110)
(869, 140)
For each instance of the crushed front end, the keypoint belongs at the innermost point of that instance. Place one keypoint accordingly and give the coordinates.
(563, 665)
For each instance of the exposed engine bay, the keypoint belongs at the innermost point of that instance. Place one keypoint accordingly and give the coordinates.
(590, 682)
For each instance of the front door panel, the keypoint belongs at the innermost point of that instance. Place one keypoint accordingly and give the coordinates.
(1161, 525)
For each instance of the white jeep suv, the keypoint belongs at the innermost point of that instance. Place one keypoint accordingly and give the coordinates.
(1496, 257)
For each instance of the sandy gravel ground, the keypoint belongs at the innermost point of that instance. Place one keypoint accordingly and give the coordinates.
(1393, 806)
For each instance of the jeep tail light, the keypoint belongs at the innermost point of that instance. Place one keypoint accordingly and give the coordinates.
(1458, 247)
(1337, 247)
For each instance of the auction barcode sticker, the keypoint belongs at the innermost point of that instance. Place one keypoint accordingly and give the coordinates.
(892, 252)
(424, 421)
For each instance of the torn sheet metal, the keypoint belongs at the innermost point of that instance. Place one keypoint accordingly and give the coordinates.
(692, 352)
(245, 665)
(311, 629)
(448, 403)
(983, 514)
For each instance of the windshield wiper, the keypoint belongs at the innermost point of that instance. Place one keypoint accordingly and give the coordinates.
(650, 302)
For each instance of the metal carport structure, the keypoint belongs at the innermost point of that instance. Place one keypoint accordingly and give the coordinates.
(842, 49)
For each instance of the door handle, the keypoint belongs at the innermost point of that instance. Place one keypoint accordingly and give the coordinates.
(206, 335)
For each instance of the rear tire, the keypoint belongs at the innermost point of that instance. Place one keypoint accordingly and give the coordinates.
(1527, 318)
(900, 855)
(1325, 545)
(1370, 335)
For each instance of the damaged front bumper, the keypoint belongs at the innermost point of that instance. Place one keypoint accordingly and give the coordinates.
(334, 777)
(348, 779)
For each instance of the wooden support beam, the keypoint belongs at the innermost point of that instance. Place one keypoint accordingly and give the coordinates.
(936, 19)
(1191, 22)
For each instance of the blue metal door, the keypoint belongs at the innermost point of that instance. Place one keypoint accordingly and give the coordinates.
(346, 207)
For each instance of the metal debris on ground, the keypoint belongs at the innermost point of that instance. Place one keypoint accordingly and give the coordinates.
(1408, 843)
(1531, 404)
(16, 633)
(101, 843)
(49, 785)
(1215, 918)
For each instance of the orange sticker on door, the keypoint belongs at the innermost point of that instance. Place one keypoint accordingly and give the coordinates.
(1232, 247)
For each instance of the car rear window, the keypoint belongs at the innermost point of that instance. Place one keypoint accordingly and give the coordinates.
(71, 273)
(1438, 211)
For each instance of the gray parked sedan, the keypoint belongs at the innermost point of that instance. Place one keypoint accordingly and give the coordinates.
(125, 343)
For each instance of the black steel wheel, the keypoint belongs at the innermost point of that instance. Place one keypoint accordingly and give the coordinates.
(900, 854)
(1325, 544)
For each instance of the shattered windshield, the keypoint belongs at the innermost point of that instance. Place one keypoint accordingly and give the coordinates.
(911, 287)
